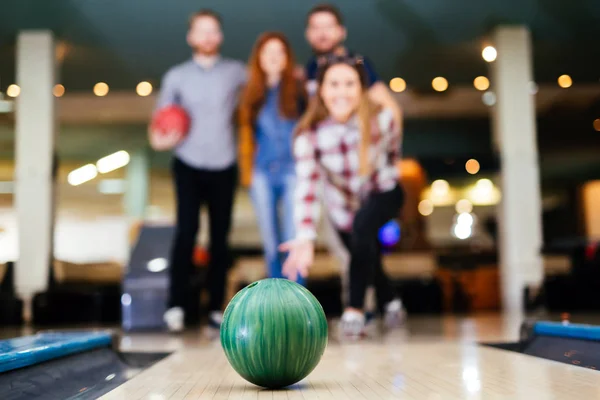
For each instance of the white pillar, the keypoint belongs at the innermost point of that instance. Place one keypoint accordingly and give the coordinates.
(514, 128)
(138, 183)
(35, 139)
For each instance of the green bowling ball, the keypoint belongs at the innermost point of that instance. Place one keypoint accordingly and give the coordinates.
(274, 333)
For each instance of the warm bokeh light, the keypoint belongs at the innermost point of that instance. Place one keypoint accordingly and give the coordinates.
(484, 184)
(489, 53)
(144, 89)
(481, 83)
(464, 206)
(439, 84)
(565, 81)
(59, 90)
(112, 162)
(440, 187)
(462, 231)
(13, 91)
(100, 89)
(82, 175)
(409, 168)
(472, 166)
(398, 85)
(484, 193)
(465, 218)
(61, 50)
(426, 207)
(597, 124)
(463, 225)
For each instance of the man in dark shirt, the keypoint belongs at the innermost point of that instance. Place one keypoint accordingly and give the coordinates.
(326, 33)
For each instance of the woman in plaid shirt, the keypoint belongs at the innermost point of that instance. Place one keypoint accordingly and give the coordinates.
(346, 143)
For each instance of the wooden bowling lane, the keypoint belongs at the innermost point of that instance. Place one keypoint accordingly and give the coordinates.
(432, 370)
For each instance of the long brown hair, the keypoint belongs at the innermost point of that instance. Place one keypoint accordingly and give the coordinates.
(317, 112)
(253, 96)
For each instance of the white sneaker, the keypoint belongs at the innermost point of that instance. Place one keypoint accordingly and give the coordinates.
(215, 319)
(352, 323)
(213, 325)
(395, 315)
(174, 318)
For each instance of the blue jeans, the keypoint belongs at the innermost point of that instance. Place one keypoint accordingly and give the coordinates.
(273, 197)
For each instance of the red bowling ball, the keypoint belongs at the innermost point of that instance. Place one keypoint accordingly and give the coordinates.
(169, 126)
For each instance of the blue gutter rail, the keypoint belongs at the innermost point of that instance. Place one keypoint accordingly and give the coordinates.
(29, 350)
(573, 331)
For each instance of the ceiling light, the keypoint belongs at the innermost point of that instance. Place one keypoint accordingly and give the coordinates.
(13, 91)
(472, 166)
(464, 206)
(439, 84)
(101, 89)
(113, 162)
(144, 89)
(398, 85)
(425, 207)
(481, 83)
(440, 187)
(484, 184)
(565, 81)
(82, 175)
(58, 91)
(489, 54)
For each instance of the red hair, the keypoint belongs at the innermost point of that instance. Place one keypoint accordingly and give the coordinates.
(253, 96)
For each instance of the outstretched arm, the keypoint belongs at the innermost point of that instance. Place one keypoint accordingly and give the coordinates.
(306, 211)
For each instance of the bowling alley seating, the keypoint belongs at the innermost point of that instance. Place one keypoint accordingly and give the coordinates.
(101, 273)
(471, 281)
(80, 293)
(574, 288)
(11, 308)
(414, 277)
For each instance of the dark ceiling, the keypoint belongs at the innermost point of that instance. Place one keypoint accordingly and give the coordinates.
(127, 41)
(123, 42)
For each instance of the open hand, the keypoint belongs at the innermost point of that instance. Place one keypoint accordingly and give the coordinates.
(300, 258)
(162, 142)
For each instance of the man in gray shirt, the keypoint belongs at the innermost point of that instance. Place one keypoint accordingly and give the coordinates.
(204, 165)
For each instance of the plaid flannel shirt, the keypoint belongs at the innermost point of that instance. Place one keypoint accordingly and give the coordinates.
(327, 168)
